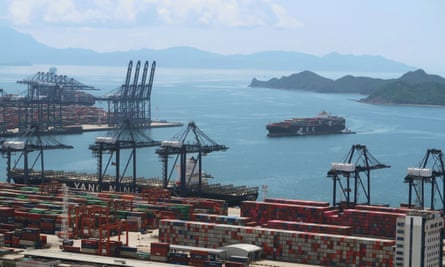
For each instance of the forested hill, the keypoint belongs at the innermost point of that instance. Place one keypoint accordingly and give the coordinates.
(311, 81)
(413, 88)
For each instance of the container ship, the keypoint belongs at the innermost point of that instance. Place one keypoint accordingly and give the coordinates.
(232, 194)
(322, 124)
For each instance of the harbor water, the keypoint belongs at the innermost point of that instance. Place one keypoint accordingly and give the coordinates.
(233, 114)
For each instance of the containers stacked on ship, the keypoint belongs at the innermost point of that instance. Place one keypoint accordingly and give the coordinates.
(298, 202)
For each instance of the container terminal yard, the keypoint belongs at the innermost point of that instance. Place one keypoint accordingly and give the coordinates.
(40, 223)
(44, 222)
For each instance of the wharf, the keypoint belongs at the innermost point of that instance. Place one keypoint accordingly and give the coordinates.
(104, 127)
(78, 129)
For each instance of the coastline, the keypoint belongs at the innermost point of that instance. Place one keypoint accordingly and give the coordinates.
(381, 103)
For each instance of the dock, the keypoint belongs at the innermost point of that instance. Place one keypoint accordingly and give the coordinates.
(104, 127)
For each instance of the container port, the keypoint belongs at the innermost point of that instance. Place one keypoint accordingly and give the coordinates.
(134, 223)
(50, 222)
(46, 109)
(58, 104)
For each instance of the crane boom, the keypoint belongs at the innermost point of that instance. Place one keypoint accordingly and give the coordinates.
(144, 80)
(150, 82)
(135, 80)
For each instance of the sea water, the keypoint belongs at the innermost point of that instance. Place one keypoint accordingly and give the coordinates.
(235, 115)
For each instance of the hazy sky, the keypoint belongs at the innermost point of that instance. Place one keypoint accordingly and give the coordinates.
(409, 31)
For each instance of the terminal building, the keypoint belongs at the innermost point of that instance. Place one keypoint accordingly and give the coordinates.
(419, 240)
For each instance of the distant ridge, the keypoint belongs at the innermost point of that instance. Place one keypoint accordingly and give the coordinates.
(310, 81)
(412, 88)
(20, 49)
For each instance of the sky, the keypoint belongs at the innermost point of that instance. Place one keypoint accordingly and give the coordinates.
(408, 31)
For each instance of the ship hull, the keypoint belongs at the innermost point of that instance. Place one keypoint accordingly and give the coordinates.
(302, 131)
(233, 195)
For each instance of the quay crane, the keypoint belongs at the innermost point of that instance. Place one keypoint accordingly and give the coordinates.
(31, 141)
(126, 137)
(43, 103)
(430, 170)
(191, 140)
(358, 160)
(132, 100)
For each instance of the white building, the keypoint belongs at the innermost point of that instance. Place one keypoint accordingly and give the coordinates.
(419, 240)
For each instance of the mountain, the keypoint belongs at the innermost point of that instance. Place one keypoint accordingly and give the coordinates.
(420, 76)
(305, 80)
(361, 85)
(412, 88)
(311, 81)
(19, 48)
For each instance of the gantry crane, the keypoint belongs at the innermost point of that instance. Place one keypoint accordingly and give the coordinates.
(191, 140)
(430, 170)
(127, 136)
(132, 100)
(358, 160)
(30, 142)
(42, 103)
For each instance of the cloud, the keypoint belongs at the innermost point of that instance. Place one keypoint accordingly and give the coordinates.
(226, 13)
(50, 13)
(20, 11)
(283, 19)
(108, 13)
(66, 11)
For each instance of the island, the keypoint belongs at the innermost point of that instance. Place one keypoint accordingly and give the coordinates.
(412, 88)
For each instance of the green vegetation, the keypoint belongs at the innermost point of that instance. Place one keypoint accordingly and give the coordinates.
(429, 93)
(412, 88)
